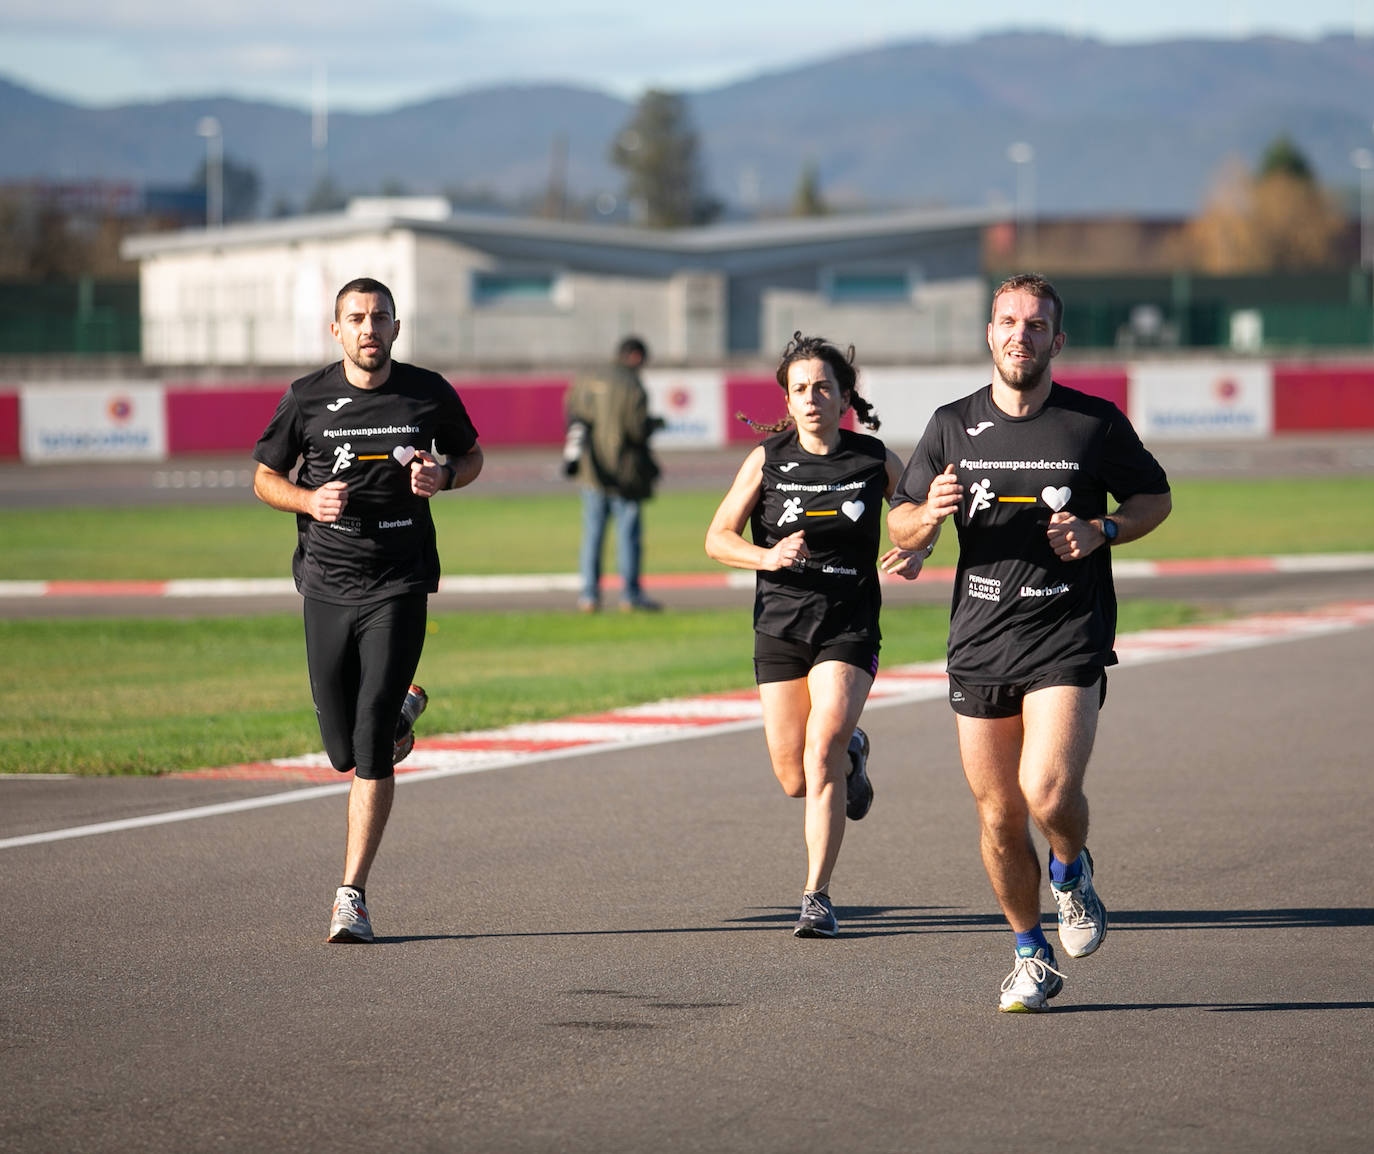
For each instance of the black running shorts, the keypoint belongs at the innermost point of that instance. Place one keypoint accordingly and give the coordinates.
(778, 660)
(971, 699)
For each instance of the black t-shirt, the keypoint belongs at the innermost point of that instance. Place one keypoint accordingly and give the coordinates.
(1019, 611)
(837, 498)
(383, 546)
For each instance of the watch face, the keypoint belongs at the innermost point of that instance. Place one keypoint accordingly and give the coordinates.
(1109, 529)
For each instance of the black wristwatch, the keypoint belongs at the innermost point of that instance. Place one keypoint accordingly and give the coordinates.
(1110, 529)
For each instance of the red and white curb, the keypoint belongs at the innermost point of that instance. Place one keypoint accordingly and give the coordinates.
(660, 722)
(667, 721)
(569, 582)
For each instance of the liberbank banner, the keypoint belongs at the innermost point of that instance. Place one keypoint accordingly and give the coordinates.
(117, 421)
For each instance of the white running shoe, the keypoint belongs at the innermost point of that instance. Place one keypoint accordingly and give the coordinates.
(1032, 982)
(349, 921)
(1082, 916)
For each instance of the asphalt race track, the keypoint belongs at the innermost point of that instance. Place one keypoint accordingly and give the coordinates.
(592, 953)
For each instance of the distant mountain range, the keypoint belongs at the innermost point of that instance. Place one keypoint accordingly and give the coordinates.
(1141, 128)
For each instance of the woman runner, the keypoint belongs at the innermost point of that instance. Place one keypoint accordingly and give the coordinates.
(812, 495)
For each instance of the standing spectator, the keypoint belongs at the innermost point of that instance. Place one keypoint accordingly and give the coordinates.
(1025, 467)
(363, 429)
(609, 428)
(812, 495)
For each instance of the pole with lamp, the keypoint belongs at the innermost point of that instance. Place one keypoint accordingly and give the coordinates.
(1022, 155)
(209, 128)
(1363, 160)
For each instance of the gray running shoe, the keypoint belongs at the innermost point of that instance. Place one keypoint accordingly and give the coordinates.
(411, 708)
(1032, 982)
(1082, 916)
(349, 921)
(817, 917)
(858, 789)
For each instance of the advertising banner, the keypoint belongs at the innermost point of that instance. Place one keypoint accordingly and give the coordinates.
(115, 421)
(906, 398)
(691, 402)
(1201, 400)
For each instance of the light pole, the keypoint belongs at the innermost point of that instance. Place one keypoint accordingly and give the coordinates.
(1363, 159)
(1022, 155)
(214, 170)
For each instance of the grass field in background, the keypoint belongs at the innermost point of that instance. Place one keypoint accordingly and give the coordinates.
(137, 696)
(485, 535)
(125, 695)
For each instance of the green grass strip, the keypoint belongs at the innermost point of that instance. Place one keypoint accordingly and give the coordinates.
(484, 535)
(136, 696)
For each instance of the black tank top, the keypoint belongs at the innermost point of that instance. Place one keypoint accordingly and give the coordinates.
(837, 499)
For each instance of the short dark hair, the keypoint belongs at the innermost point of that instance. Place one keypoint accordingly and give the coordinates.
(364, 284)
(631, 347)
(1038, 287)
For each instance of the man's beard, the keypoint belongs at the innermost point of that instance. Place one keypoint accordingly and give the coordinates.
(1019, 375)
(370, 360)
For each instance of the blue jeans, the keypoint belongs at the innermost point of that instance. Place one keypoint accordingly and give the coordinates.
(597, 507)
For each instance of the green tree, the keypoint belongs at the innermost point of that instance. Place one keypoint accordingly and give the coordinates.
(1278, 218)
(657, 150)
(807, 199)
(1283, 157)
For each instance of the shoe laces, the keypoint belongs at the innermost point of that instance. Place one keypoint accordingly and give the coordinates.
(815, 906)
(347, 903)
(1035, 969)
(1073, 911)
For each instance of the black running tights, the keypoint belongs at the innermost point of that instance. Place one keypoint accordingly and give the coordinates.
(362, 659)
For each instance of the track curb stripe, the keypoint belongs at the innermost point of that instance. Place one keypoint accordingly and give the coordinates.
(570, 582)
(659, 722)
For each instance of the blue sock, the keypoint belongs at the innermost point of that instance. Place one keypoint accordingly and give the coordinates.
(1030, 941)
(1062, 875)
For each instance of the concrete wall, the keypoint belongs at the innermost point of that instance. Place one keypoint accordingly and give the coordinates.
(266, 304)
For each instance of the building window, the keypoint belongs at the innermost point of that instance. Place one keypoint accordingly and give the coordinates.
(513, 288)
(845, 285)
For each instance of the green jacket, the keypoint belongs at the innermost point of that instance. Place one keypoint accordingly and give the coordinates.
(615, 454)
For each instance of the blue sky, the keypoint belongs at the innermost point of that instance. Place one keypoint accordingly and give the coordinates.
(379, 55)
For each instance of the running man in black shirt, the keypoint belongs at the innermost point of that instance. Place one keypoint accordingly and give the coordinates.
(363, 430)
(1025, 468)
(813, 497)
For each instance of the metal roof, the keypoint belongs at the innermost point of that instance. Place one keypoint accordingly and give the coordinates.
(486, 231)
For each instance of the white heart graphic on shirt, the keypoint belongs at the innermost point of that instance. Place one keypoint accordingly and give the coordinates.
(404, 454)
(1056, 499)
(852, 509)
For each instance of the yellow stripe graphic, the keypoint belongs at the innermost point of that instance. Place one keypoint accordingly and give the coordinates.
(1017, 500)
(823, 513)
(376, 457)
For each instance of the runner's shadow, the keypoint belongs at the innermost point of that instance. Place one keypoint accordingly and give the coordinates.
(885, 921)
(1327, 917)
(1211, 1007)
(874, 920)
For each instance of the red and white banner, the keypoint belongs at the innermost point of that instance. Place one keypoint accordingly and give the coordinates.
(1166, 401)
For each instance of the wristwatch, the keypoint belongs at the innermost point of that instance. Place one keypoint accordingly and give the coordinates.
(1110, 529)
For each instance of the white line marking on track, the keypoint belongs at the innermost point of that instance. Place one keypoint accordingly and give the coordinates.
(600, 734)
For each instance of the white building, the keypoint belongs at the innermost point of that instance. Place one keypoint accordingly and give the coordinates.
(477, 291)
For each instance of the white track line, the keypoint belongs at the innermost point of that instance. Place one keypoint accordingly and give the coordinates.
(682, 719)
